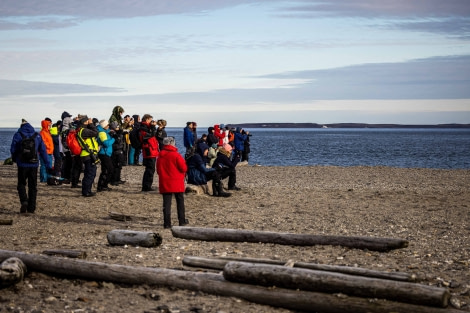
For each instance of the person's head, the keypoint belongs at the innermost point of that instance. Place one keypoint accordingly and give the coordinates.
(114, 126)
(118, 110)
(189, 125)
(127, 118)
(169, 141)
(136, 118)
(147, 118)
(84, 120)
(161, 123)
(104, 124)
(194, 125)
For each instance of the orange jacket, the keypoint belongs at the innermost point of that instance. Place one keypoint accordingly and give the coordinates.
(46, 136)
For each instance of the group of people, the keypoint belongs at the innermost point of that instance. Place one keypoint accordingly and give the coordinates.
(119, 141)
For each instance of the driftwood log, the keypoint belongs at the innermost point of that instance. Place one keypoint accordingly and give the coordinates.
(121, 237)
(239, 235)
(67, 253)
(214, 284)
(6, 222)
(219, 264)
(312, 280)
(12, 271)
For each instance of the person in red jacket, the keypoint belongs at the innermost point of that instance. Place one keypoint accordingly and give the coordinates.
(150, 149)
(171, 170)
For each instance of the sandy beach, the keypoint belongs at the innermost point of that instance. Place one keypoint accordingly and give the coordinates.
(429, 208)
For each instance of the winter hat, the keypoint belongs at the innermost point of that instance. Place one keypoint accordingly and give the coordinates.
(214, 145)
(104, 123)
(227, 147)
(23, 121)
(65, 114)
(113, 125)
(83, 119)
(222, 126)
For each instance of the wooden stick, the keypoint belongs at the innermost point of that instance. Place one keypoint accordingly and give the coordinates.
(213, 284)
(6, 222)
(219, 263)
(135, 238)
(66, 253)
(312, 280)
(239, 235)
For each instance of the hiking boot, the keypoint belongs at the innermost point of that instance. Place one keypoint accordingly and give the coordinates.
(185, 222)
(24, 207)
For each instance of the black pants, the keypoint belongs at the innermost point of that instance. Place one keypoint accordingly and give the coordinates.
(137, 153)
(107, 171)
(179, 196)
(67, 165)
(231, 173)
(76, 170)
(147, 179)
(89, 175)
(29, 175)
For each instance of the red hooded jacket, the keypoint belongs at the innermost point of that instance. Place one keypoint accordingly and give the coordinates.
(171, 170)
(149, 141)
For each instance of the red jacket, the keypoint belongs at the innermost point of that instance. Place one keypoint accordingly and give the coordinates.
(219, 135)
(149, 141)
(171, 170)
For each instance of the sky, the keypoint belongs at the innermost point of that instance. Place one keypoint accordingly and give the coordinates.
(237, 61)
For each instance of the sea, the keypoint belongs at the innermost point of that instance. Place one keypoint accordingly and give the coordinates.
(447, 148)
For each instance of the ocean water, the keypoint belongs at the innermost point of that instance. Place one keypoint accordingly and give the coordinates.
(406, 148)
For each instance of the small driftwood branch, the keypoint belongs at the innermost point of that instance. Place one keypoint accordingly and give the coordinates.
(213, 284)
(66, 253)
(12, 271)
(6, 222)
(219, 263)
(311, 280)
(119, 217)
(120, 237)
(239, 235)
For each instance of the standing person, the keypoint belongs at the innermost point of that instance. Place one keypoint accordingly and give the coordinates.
(105, 153)
(194, 129)
(161, 133)
(116, 116)
(47, 139)
(149, 142)
(239, 141)
(87, 138)
(246, 150)
(137, 152)
(77, 164)
(211, 138)
(65, 126)
(171, 169)
(57, 154)
(126, 129)
(118, 153)
(188, 138)
(27, 166)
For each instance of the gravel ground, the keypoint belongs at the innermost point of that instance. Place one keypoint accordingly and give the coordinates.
(427, 207)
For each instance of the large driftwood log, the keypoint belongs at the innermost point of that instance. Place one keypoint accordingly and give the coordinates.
(135, 238)
(66, 252)
(239, 235)
(219, 263)
(12, 271)
(213, 284)
(312, 280)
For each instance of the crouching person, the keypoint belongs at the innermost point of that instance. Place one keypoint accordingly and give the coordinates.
(171, 170)
(199, 174)
(227, 167)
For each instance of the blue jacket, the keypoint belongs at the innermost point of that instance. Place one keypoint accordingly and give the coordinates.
(105, 140)
(197, 170)
(239, 141)
(188, 138)
(27, 130)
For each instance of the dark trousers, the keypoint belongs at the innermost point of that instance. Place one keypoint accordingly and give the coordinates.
(147, 179)
(29, 175)
(67, 165)
(107, 171)
(76, 170)
(89, 175)
(137, 153)
(179, 196)
(231, 173)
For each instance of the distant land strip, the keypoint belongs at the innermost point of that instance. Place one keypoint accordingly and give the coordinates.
(343, 125)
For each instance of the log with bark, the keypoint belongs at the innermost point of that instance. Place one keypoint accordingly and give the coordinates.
(312, 280)
(12, 271)
(66, 252)
(6, 222)
(219, 263)
(121, 237)
(214, 284)
(239, 235)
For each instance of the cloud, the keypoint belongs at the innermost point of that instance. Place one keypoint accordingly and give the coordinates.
(28, 88)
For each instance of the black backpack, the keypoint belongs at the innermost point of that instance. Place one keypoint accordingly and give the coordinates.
(28, 152)
(134, 137)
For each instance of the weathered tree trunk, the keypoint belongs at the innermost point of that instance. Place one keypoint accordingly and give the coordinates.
(219, 263)
(312, 280)
(12, 271)
(213, 284)
(135, 238)
(66, 253)
(239, 235)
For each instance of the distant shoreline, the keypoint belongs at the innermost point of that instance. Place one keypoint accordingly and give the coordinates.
(344, 125)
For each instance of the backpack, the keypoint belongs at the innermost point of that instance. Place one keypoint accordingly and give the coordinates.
(134, 137)
(72, 142)
(28, 151)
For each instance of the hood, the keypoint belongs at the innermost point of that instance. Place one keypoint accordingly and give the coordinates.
(210, 129)
(45, 125)
(118, 110)
(27, 129)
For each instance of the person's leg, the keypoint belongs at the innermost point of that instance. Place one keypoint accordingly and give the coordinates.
(32, 177)
(88, 177)
(167, 210)
(21, 187)
(147, 179)
(131, 155)
(179, 196)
